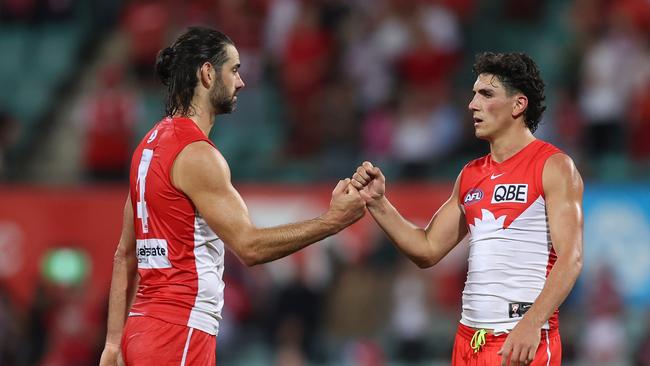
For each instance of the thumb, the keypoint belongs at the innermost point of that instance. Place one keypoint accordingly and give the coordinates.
(351, 188)
(341, 186)
(375, 172)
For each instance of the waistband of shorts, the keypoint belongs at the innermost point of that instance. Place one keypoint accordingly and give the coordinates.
(468, 332)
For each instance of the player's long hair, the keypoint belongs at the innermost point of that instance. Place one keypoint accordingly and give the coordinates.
(518, 73)
(177, 65)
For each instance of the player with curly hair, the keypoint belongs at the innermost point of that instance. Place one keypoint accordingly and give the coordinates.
(520, 205)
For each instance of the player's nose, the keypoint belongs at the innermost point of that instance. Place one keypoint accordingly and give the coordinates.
(240, 82)
(473, 105)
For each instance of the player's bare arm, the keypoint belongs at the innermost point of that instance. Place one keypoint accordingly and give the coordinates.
(202, 173)
(563, 190)
(425, 247)
(123, 287)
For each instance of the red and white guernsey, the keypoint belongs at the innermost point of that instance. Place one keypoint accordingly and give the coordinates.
(180, 259)
(510, 248)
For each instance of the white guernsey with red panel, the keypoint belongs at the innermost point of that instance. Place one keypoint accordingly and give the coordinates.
(510, 248)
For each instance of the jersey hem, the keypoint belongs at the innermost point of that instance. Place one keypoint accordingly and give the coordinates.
(194, 322)
(496, 327)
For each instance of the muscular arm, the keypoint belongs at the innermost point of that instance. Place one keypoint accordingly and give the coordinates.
(425, 247)
(203, 174)
(563, 190)
(563, 194)
(123, 286)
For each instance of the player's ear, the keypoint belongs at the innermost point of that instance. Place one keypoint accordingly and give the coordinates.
(519, 105)
(206, 75)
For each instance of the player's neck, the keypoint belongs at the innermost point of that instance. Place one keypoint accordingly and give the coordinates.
(504, 147)
(204, 119)
(204, 123)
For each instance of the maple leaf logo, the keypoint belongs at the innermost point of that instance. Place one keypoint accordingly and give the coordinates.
(488, 225)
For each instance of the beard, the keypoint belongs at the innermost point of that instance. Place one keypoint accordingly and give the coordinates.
(222, 102)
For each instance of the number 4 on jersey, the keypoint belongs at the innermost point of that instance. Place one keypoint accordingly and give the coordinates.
(143, 169)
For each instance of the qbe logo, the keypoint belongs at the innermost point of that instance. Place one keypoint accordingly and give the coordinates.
(473, 195)
(510, 193)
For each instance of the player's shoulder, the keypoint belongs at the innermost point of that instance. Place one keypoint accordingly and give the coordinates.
(201, 153)
(559, 162)
(555, 161)
(199, 164)
(185, 130)
(473, 169)
(546, 148)
(477, 163)
(554, 157)
(560, 171)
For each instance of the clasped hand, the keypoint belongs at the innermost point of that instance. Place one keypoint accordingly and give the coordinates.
(370, 182)
(351, 196)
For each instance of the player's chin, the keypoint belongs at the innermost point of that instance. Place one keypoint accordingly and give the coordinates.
(227, 109)
(233, 104)
(482, 131)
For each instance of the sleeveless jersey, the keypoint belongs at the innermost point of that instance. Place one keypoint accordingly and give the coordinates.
(180, 259)
(510, 248)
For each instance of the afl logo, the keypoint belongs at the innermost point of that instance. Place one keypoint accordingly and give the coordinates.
(153, 136)
(473, 195)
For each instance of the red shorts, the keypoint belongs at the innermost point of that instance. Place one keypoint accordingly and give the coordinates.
(549, 352)
(152, 342)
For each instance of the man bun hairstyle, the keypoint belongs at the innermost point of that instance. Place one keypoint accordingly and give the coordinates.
(164, 65)
(176, 65)
(518, 73)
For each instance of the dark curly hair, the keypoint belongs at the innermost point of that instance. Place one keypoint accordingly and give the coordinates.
(518, 73)
(177, 64)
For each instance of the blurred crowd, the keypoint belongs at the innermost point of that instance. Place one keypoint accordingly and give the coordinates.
(330, 83)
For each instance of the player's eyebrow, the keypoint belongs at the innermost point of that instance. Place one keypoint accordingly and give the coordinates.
(484, 91)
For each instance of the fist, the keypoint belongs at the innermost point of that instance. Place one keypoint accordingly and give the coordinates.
(369, 181)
